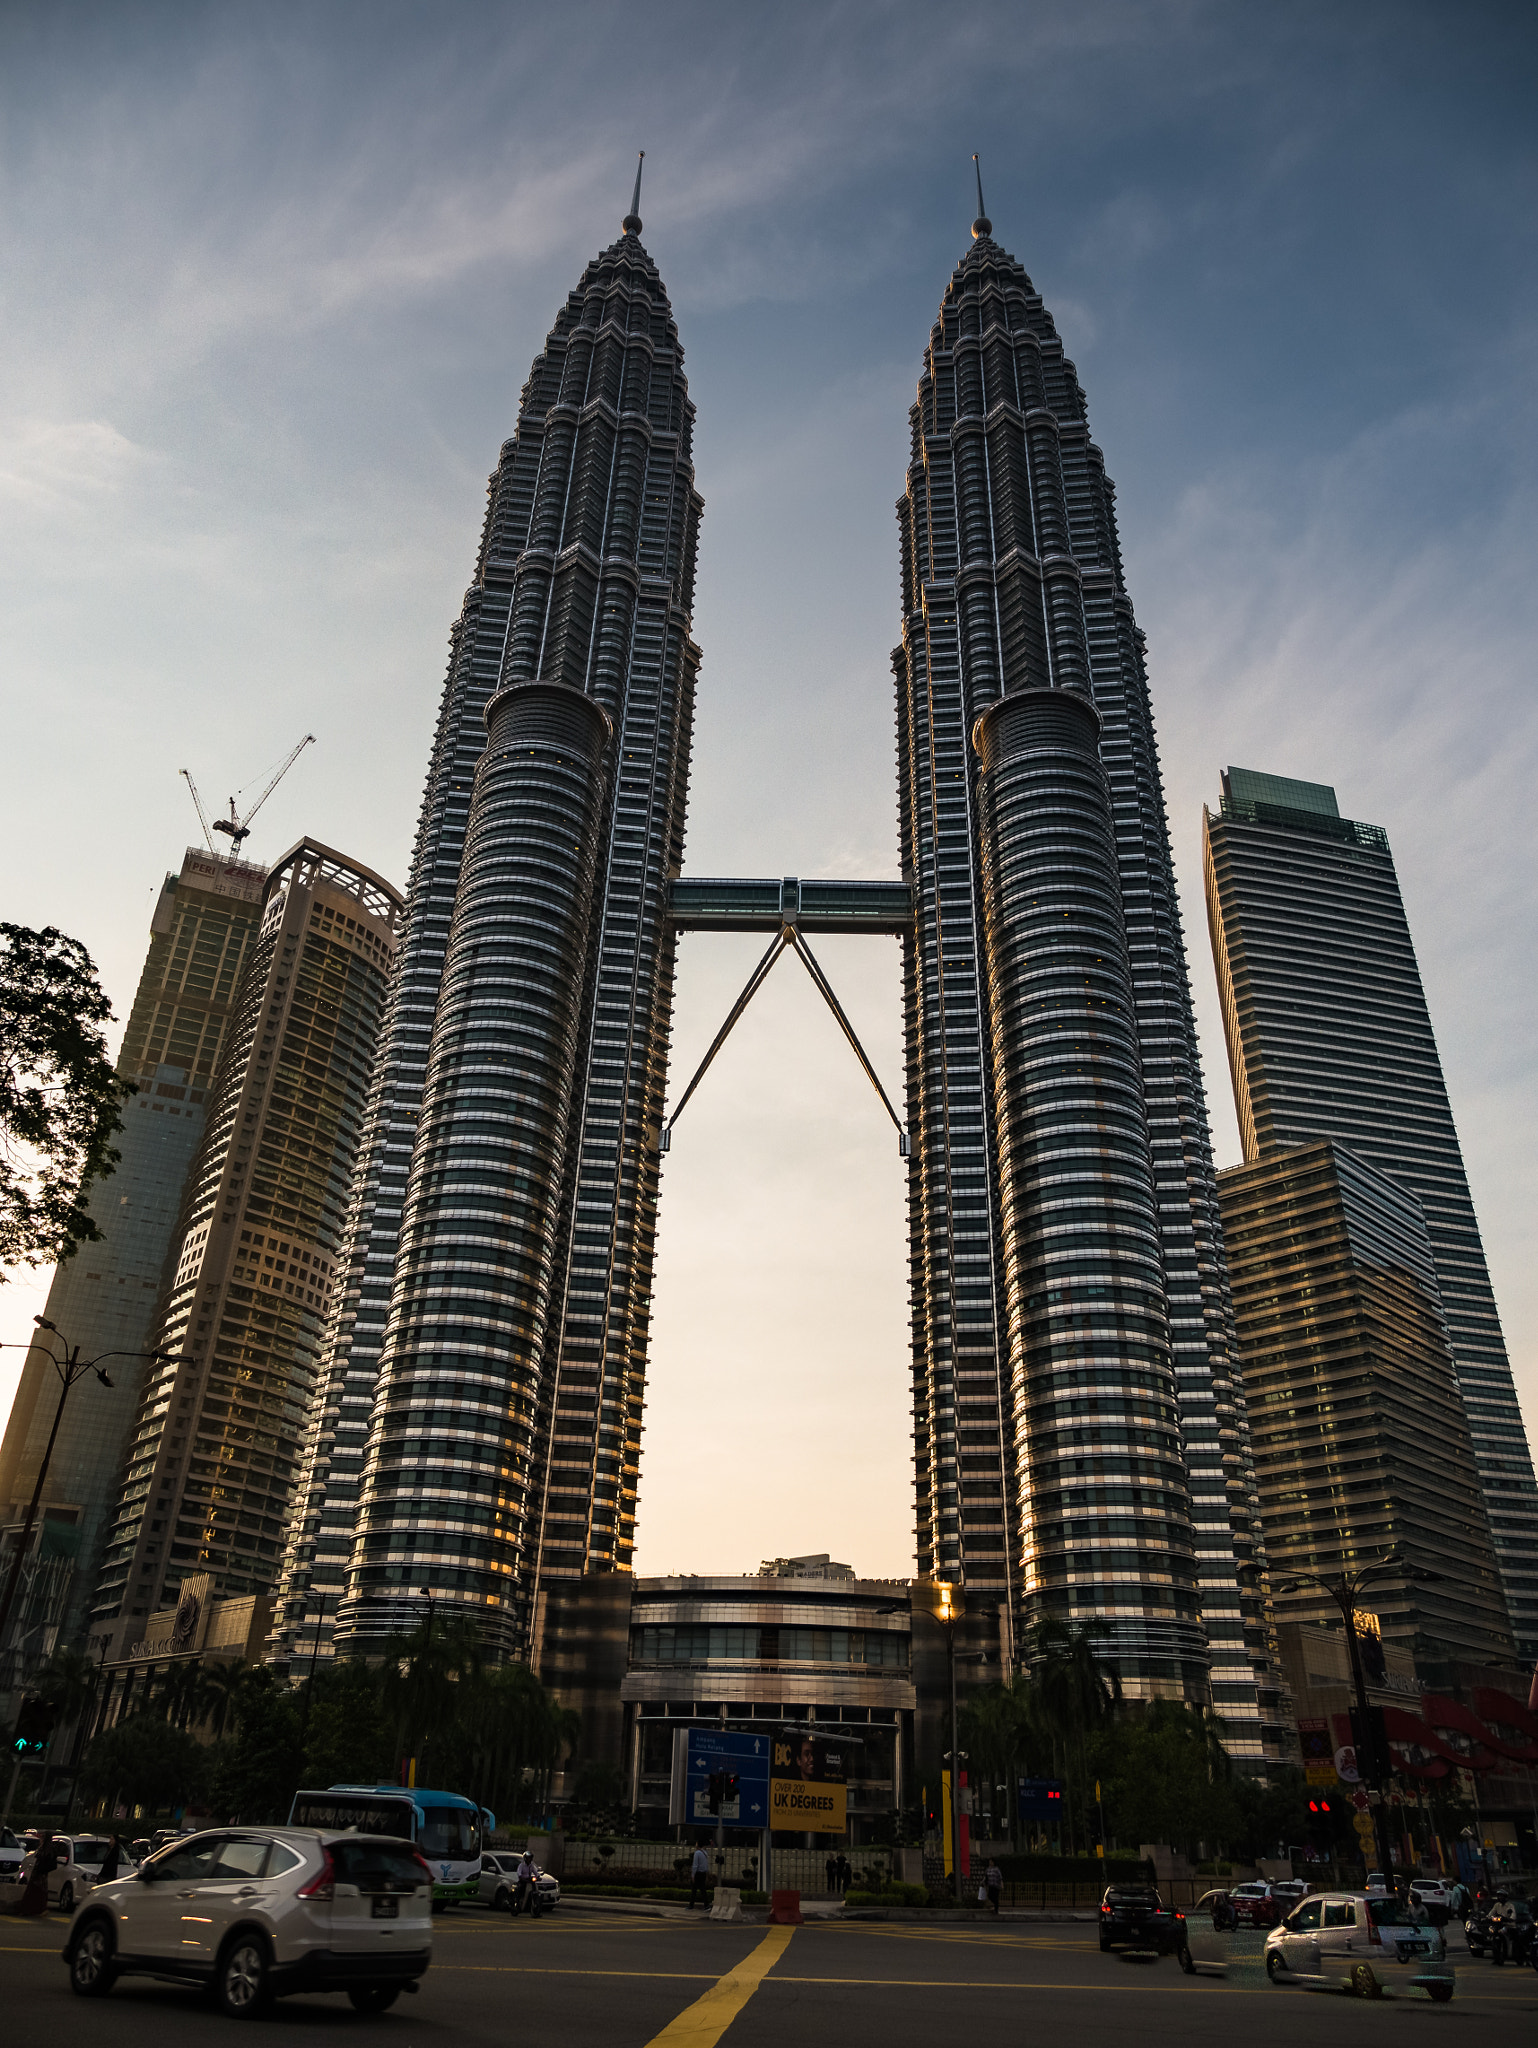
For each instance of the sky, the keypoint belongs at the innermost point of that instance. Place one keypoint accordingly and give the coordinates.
(271, 280)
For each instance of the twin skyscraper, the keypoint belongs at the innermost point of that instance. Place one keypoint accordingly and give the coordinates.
(1080, 1432)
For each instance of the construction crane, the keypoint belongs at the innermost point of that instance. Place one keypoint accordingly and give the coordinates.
(237, 829)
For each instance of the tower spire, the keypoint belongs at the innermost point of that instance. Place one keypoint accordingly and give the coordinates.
(982, 225)
(632, 221)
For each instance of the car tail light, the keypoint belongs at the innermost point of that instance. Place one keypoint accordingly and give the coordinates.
(323, 1884)
(423, 1865)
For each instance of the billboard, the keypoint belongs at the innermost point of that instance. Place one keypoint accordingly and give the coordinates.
(808, 1783)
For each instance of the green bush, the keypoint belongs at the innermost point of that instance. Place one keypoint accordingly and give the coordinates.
(890, 1895)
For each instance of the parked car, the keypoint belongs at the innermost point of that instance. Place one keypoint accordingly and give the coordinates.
(11, 1855)
(1253, 1905)
(1360, 1943)
(499, 1878)
(1135, 1917)
(256, 1912)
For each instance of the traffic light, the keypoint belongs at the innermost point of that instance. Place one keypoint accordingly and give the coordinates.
(1320, 1806)
(34, 1725)
(728, 1786)
(713, 1789)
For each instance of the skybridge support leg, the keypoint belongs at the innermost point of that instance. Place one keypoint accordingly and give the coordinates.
(787, 937)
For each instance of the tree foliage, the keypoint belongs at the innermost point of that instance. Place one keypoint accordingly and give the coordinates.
(60, 1096)
(144, 1762)
(493, 1734)
(257, 1771)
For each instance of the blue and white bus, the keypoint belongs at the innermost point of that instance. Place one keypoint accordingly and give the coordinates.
(447, 1828)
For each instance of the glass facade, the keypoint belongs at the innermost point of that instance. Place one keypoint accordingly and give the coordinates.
(1081, 1441)
(106, 1297)
(584, 584)
(1329, 1036)
(212, 1457)
(1361, 1442)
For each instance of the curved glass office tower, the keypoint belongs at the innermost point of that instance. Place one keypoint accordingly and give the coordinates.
(1071, 1314)
(584, 583)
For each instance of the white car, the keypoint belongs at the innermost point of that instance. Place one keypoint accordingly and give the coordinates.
(11, 1855)
(77, 1860)
(499, 1881)
(80, 1859)
(1352, 1942)
(256, 1912)
(1432, 1891)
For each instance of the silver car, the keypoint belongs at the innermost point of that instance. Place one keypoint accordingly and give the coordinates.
(1351, 1942)
(256, 1912)
(499, 1882)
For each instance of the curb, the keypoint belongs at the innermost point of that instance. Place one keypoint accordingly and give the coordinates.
(648, 1909)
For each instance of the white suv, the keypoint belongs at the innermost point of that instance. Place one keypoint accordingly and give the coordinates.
(255, 1912)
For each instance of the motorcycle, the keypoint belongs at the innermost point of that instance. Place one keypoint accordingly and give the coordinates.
(1512, 1932)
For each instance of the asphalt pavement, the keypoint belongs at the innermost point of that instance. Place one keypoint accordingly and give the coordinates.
(579, 1976)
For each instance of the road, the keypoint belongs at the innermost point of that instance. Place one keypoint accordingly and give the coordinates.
(581, 1976)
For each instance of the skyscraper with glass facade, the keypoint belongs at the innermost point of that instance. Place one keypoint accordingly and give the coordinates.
(208, 1475)
(1329, 1036)
(480, 1426)
(105, 1299)
(1082, 1445)
(1361, 1442)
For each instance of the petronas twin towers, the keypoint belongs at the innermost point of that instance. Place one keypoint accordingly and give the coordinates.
(1081, 1446)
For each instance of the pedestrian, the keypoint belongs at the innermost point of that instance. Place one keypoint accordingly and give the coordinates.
(995, 1883)
(844, 1873)
(831, 1866)
(36, 1870)
(110, 1861)
(699, 1877)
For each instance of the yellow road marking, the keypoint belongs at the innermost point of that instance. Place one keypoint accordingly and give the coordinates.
(702, 2024)
(672, 2040)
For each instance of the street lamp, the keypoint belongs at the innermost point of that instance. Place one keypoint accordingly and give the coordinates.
(70, 1368)
(952, 1613)
(1346, 1591)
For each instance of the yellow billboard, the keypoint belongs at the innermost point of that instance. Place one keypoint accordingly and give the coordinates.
(807, 1789)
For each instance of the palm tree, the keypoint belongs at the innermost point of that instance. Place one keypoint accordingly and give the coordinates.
(223, 1685)
(1077, 1694)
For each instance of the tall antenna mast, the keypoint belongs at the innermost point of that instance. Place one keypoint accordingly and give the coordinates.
(631, 224)
(982, 225)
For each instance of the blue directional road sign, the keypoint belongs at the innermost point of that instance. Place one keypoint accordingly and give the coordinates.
(700, 1754)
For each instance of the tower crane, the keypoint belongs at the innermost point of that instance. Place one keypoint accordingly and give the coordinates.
(237, 829)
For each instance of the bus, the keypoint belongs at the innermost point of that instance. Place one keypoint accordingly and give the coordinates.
(446, 1827)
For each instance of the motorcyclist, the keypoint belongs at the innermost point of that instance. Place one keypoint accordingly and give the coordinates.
(523, 1883)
